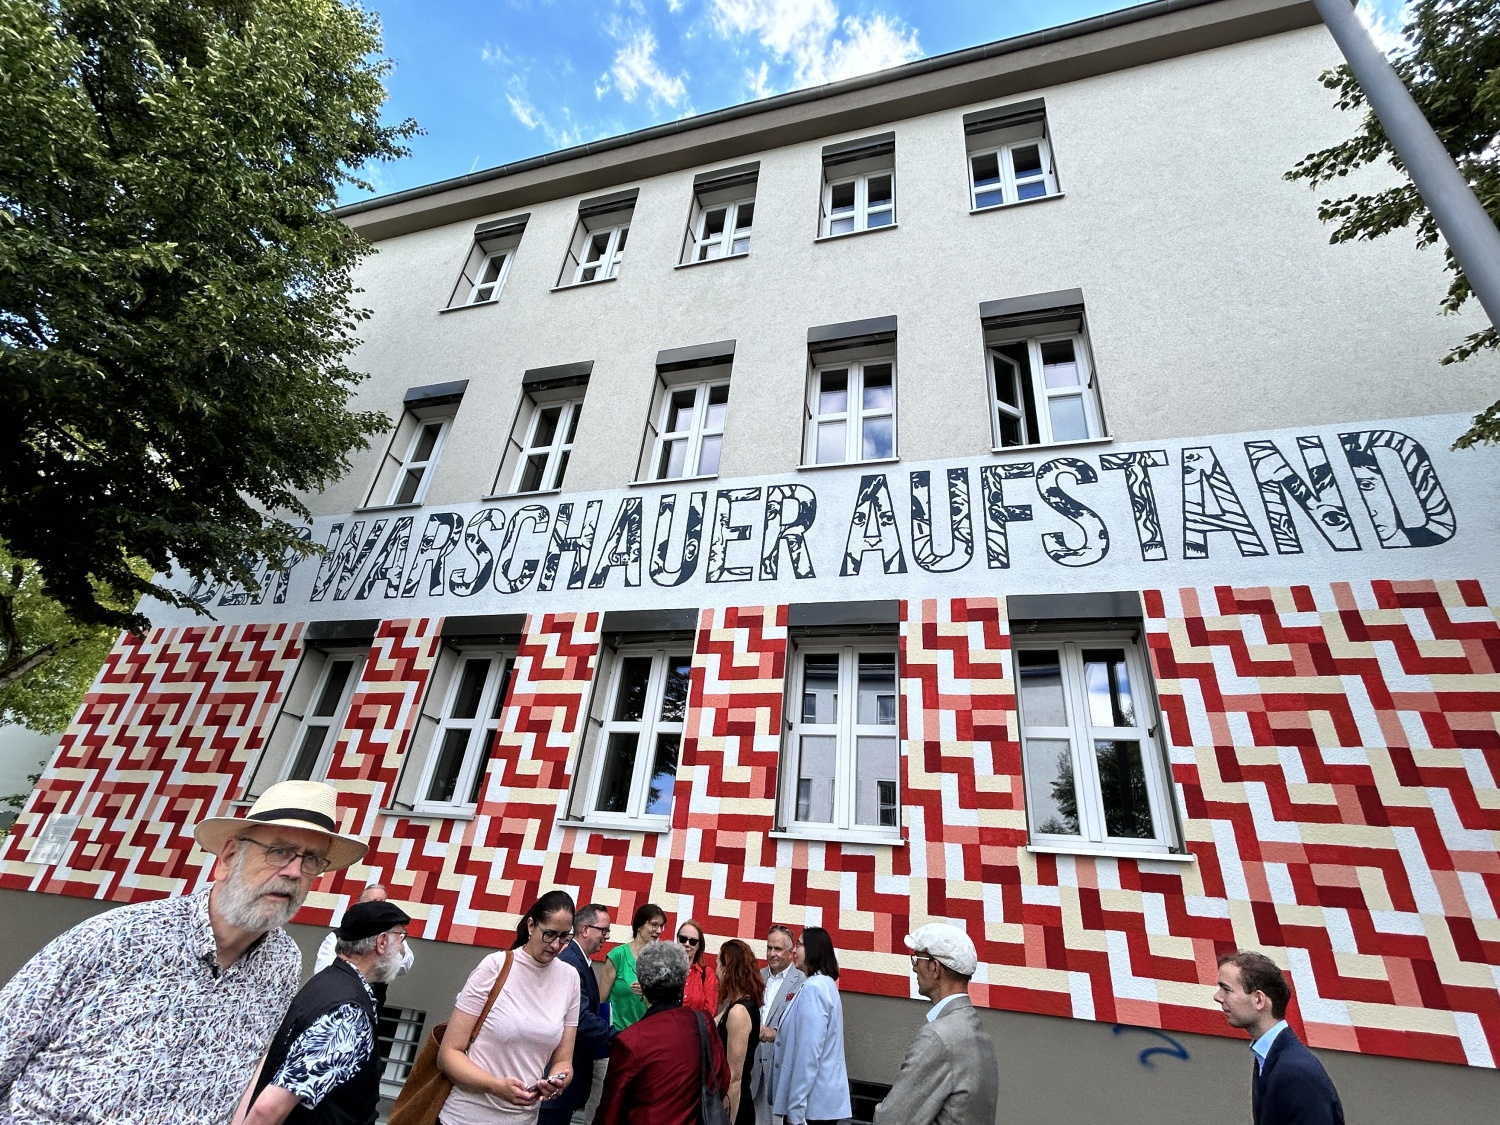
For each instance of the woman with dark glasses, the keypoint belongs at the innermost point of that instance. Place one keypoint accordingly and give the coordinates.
(702, 989)
(523, 1054)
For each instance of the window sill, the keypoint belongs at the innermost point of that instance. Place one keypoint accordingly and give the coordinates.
(619, 827)
(836, 836)
(855, 233)
(466, 305)
(1105, 440)
(848, 464)
(1017, 203)
(711, 261)
(421, 814)
(583, 284)
(673, 480)
(521, 495)
(1110, 853)
(387, 508)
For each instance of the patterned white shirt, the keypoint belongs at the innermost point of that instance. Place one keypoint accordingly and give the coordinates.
(127, 1019)
(329, 1053)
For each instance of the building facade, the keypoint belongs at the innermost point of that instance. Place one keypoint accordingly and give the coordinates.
(976, 491)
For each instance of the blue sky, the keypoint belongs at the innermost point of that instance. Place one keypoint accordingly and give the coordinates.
(497, 81)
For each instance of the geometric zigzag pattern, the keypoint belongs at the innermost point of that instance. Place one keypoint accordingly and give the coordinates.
(1334, 752)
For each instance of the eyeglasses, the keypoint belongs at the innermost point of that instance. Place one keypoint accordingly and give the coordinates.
(279, 856)
(602, 929)
(685, 940)
(553, 937)
(915, 957)
(399, 935)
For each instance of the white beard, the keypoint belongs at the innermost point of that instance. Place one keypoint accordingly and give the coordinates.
(239, 902)
(384, 970)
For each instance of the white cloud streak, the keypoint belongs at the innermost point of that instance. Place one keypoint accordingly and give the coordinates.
(636, 70)
(811, 36)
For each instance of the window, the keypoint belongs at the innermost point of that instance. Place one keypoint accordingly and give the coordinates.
(1042, 386)
(324, 719)
(859, 185)
(852, 409)
(692, 431)
(544, 429)
(844, 738)
(1094, 774)
(598, 245)
(1010, 157)
(399, 1039)
(640, 739)
(722, 214)
(685, 428)
(406, 471)
(488, 263)
(465, 735)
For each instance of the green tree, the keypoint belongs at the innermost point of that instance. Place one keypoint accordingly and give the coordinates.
(175, 298)
(1450, 62)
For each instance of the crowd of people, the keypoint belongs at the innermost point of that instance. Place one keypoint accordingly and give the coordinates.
(187, 1010)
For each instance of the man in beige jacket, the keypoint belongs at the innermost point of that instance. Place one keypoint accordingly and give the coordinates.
(950, 1075)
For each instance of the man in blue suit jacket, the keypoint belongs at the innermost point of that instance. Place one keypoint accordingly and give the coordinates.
(590, 929)
(1289, 1086)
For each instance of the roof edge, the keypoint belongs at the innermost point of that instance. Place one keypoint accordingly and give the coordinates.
(1064, 54)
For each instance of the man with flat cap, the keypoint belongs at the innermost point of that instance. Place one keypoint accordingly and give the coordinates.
(323, 1065)
(160, 1011)
(950, 1075)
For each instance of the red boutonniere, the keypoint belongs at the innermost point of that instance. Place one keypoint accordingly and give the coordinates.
(790, 996)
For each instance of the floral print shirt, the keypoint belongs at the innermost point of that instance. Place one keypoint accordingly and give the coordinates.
(128, 1018)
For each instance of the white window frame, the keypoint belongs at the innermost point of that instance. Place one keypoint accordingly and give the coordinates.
(480, 744)
(558, 452)
(846, 731)
(332, 725)
(1035, 388)
(862, 209)
(693, 435)
(607, 265)
(854, 415)
(647, 730)
(410, 462)
(707, 247)
(1010, 184)
(485, 291)
(1080, 734)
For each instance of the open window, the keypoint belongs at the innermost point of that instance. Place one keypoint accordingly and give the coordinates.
(416, 444)
(300, 742)
(488, 262)
(850, 413)
(1009, 154)
(685, 428)
(543, 429)
(1042, 385)
(722, 214)
(859, 185)
(598, 244)
(459, 721)
(627, 769)
(841, 759)
(1096, 774)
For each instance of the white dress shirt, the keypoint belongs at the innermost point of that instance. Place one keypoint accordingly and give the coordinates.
(774, 985)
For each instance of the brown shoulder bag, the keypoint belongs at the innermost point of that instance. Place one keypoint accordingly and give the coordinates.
(427, 1086)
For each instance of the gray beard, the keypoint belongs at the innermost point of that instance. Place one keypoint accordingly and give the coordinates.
(239, 902)
(384, 970)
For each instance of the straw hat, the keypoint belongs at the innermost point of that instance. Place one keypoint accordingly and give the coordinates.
(309, 805)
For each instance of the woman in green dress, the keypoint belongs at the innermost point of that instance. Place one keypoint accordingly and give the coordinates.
(617, 971)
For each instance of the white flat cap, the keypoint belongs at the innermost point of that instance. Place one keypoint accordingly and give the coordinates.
(948, 944)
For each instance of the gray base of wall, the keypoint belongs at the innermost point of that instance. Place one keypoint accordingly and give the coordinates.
(1051, 1069)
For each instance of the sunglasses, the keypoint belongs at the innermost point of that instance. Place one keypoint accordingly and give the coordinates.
(685, 940)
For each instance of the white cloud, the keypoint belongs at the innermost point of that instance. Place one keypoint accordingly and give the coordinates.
(1384, 22)
(759, 81)
(524, 111)
(810, 35)
(635, 69)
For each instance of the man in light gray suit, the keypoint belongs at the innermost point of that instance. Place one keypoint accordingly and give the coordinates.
(783, 979)
(950, 1075)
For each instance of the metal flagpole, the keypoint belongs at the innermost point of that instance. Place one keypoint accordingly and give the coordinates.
(1460, 217)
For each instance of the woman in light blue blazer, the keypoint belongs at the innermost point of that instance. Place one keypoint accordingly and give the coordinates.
(809, 1082)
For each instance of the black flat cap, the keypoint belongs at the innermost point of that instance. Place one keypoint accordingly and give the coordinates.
(366, 919)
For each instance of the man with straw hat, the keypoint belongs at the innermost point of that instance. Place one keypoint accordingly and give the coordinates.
(160, 1011)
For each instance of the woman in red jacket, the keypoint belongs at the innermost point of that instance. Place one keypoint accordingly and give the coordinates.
(702, 990)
